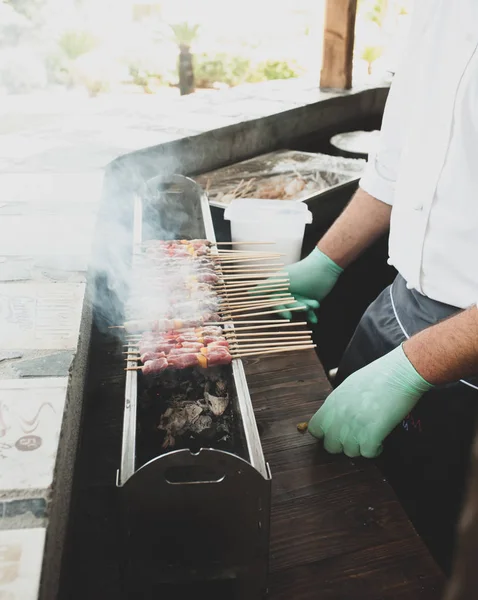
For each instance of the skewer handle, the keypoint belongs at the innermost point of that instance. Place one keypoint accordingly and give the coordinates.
(245, 354)
(238, 243)
(270, 312)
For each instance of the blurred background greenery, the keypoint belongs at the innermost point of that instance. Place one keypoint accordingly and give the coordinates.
(135, 46)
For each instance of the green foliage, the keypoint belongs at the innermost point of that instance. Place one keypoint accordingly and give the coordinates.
(184, 33)
(377, 11)
(143, 78)
(278, 69)
(370, 54)
(75, 43)
(212, 68)
(233, 70)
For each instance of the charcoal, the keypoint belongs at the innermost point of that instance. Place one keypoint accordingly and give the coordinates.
(216, 404)
(189, 408)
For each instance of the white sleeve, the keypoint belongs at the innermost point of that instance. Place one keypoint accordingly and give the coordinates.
(382, 167)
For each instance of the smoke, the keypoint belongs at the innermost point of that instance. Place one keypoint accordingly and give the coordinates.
(131, 286)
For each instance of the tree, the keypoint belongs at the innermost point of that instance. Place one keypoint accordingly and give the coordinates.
(377, 12)
(184, 35)
(370, 55)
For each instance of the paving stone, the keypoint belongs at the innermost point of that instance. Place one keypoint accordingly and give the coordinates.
(67, 268)
(31, 413)
(23, 513)
(52, 365)
(41, 188)
(46, 234)
(21, 555)
(9, 355)
(40, 315)
(66, 208)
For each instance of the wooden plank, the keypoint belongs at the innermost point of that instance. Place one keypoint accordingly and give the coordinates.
(339, 34)
(336, 525)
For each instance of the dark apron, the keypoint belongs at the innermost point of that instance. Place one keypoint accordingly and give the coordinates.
(426, 457)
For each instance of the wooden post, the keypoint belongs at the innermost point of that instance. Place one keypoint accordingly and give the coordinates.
(339, 33)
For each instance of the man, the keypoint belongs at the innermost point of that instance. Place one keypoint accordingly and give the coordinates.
(407, 381)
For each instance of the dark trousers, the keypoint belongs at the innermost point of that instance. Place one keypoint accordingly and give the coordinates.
(426, 457)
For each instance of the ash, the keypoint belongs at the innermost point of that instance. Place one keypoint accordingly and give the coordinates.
(188, 408)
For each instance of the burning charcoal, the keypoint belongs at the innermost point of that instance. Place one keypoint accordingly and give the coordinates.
(169, 441)
(177, 419)
(221, 388)
(202, 423)
(216, 404)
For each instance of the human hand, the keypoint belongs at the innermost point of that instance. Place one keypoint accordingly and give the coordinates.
(310, 280)
(360, 413)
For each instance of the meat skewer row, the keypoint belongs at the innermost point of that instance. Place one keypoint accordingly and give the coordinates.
(158, 349)
(158, 325)
(176, 310)
(180, 247)
(204, 359)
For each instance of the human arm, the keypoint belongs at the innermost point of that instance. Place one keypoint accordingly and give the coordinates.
(360, 413)
(362, 222)
(310, 280)
(447, 351)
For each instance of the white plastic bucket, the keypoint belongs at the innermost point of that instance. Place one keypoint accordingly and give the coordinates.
(277, 221)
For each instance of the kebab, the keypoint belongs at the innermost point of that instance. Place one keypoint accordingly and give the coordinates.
(152, 345)
(207, 357)
(158, 325)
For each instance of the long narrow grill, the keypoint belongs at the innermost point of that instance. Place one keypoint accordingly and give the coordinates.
(188, 415)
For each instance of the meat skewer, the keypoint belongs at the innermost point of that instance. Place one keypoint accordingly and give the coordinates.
(204, 359)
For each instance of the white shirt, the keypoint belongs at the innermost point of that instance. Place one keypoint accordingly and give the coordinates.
(426, 160)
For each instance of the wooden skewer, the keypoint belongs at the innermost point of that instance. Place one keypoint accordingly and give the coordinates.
(263, 286)
(244, 251)
(248, 337)
(270, 312)
(238, 243)
(241, 269)
(238, 331)
(260, 334)
(238, 327)
(260, 344)
(266, 342)
(246, 308)
(267, 250)
(245, 294)
(249, 286)
(135, 355)
(226, 258)
(232, 277)
(179, 329)
(261, 339)
(248, 262)
(273, 351)
(153, 243)
(248, 301)
(251, 353)
(248, 259)
(261, 324)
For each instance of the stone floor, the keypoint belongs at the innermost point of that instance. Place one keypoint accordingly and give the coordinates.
(52, 154)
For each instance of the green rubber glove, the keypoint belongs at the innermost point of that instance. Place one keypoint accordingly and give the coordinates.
(360, 413)
(311, 279)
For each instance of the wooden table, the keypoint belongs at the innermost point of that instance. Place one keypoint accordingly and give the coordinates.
(337, 531)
